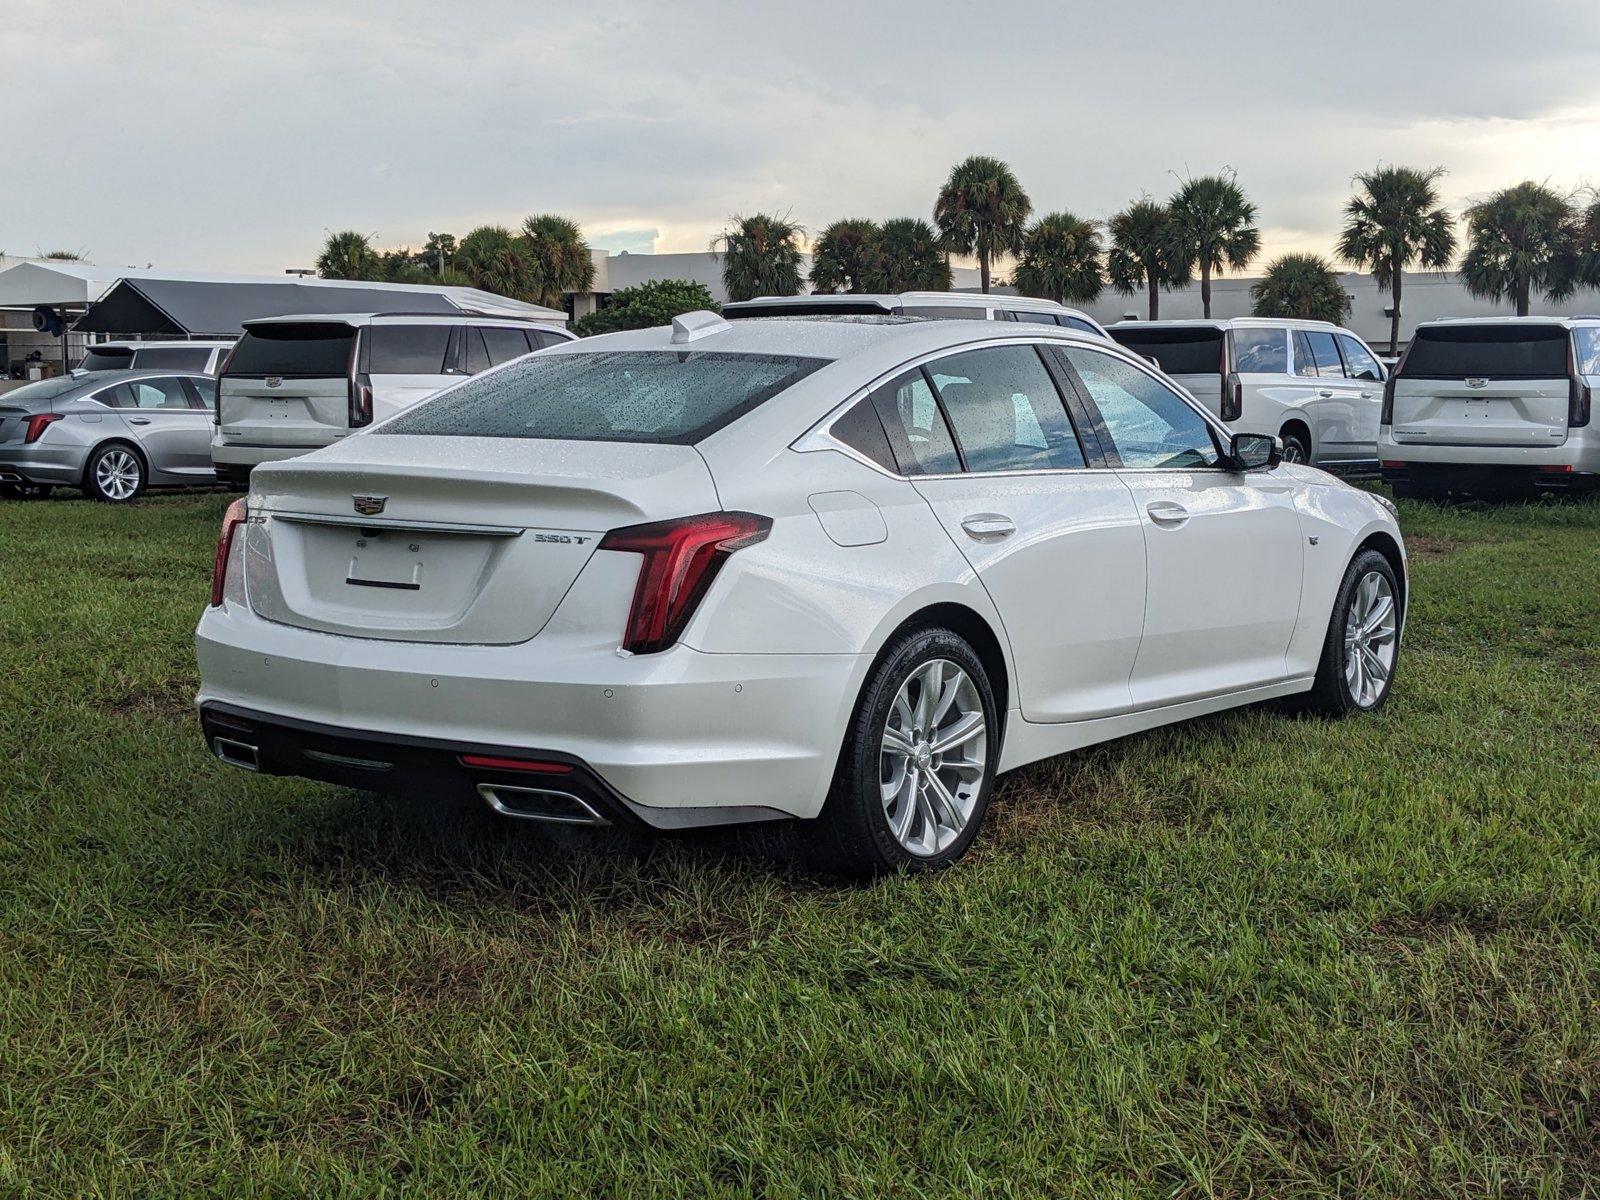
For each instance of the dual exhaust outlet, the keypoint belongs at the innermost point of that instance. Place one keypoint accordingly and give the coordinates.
(509, 800)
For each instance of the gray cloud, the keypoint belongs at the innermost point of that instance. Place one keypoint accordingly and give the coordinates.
(230, 135)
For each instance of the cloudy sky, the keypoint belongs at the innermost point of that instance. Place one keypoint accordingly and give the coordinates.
(232, 136)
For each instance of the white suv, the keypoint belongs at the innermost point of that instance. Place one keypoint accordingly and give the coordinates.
(180, 357)
(1494, 405)
(948, 306)
(295, 384)
(1315, 385)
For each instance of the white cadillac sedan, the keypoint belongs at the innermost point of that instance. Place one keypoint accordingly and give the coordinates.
(838, 569)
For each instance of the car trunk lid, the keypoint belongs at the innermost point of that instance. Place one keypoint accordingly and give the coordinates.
(447, 539)
(1484, 385)
(288, 384)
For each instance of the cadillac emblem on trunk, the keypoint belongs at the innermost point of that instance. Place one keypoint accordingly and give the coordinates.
(370, 506)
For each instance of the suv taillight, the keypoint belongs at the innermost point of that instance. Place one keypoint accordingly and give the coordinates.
(236, 516)
(681, 558)
(1579, 399)
(37, 424)
(1386, 413)
(1232, 397)
(360, 401)
(222, 369)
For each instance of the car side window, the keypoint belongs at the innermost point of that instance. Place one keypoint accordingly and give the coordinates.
(1358, 360)
(1260, 351)
(476, 357)
(1325, 353)
(918, 435)
(200, 395)
(1150, 425)
(505, 344)
(114, 397)
(1080, 325)
(1005, 411)
(1305, 362)
(1036, 318)
(157, 393)
(861, 430)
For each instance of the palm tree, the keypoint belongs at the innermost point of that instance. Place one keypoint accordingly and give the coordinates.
(1300, 285)
(842, 256)
(1587, 257)
(1393, 222)
(908, 258)
(1145, 252)
(557, 258)
(349, 255)
(1061, 260)
(1216, 228)
(1520, 239)
(492, 259)
(760, 257)
(982, 210)
(439, 251)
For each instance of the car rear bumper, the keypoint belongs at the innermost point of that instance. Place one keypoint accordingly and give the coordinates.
(1580, 453)
(1489, 477)
(246, 454)
(681, 737)
(42, 463)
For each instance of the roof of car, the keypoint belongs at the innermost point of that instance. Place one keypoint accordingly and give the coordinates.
(427, 318)
(1228, 323)
(187, 343)
(889, 300)
(100, 379)
(1565, 322)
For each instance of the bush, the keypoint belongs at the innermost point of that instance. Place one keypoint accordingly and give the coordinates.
(646, 306)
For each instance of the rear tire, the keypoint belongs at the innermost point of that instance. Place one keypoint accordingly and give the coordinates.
(25, 491)
(115, 474)
(1295, 447)
(917, 767)
(1362, 648)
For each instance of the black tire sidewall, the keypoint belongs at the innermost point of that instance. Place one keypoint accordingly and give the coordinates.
(92, 486)
(1305, 450)
(1360, 567)
(857, 787)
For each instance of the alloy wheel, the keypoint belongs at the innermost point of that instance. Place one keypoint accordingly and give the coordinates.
(1371, 636)
(117, 474)
(935, 747)
(1292, 451)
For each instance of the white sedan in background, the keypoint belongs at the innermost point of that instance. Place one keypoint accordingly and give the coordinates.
(841, 570)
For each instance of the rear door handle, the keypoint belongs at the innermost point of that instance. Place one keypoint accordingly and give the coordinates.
(988, 527)
(1165, 512)
(138, 420)
(1325, 393)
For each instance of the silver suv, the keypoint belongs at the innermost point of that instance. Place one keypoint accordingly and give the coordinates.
(1317, 386)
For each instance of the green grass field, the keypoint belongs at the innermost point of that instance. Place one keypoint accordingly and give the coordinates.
(1247, 956)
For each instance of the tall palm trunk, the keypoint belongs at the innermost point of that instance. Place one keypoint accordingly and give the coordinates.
(1394, 320)
(1205, 289)
(983, 271)
(1521, 295)
(1155, 294)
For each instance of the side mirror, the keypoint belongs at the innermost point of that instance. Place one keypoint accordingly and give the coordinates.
(1254, 452)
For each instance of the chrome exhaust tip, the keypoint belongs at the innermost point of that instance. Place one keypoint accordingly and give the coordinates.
(236, 753)
(539, 804)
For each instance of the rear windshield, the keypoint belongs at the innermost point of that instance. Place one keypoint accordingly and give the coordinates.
(675, 397)
(314, 349)
(109, 359)
(174, 358)
(1178, 351)
(1487, 352)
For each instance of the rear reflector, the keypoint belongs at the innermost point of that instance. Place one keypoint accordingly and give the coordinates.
(532, 766)
(1390, 464)
(1554, 469)
(681, 558)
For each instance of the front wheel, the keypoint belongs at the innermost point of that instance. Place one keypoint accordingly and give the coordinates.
(914, 777)
(1362, 648)
(114, 474)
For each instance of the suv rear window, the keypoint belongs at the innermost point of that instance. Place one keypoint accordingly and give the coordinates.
(108, 359)
(1487, 352)
(173, 358)
(1179, 351)
(314, 349)
(659, 396)
(407, 349)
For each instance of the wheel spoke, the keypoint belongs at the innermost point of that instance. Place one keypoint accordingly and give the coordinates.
(895, 742)
(930, 823)
(1377, 669)
(941, 799)
(1381, 611)
(962, 731)
(906, 796)
(931, 677)
(953, 683)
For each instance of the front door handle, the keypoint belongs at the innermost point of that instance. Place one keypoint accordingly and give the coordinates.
(1325, 393)
(1165, 512)
(138, 420)
(988, 527)
(1367, 395)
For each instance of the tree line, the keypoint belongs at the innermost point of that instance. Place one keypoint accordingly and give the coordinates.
(1521, 241)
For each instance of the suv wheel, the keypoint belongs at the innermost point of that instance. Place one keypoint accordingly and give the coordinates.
(115, 474)
(917, 767)
(1295, 449)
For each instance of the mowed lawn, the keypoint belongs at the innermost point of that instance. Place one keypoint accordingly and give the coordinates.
(1248, 956)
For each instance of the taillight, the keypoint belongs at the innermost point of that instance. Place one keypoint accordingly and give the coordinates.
(1232, 397)
(360, 401)
(222, 369)
(681, 558)
(1579, 399)
(231, 520)
(1386, 413)
(37, 424)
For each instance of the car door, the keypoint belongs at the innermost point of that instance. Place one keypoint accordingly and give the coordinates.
(170, 426)
(1223, 549)
(1057, 544)
(404, 363)
(1365, 377)
(1334, 404)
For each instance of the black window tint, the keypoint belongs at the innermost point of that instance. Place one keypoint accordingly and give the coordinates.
(107, 359)
(1005, 410)
(1261, 351)
(1149, 423)
(946, 312)
(542, 338)
(157, 393)
(1305, 363)
(475, 358)
(1080, 325)
(1358, 360)
(1487, 352)
(406, 349)
(115, 397)
(1325, 353)
(1179, 351)
(310, 350)
(1035, 318)
(861, 430)
(173, 358)
(201, 393)
(505, 344)
(918, 435)
(658, 396)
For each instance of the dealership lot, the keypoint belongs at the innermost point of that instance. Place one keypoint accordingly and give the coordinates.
(1246, 953)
